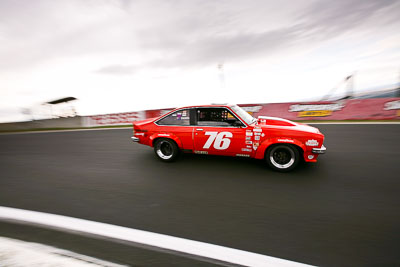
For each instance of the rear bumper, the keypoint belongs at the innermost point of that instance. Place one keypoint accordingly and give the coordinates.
(135, 139)
(321, 150)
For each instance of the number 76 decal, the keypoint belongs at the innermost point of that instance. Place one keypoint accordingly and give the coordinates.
(222, 140)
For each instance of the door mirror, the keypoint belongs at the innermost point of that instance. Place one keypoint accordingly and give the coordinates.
(237, 124)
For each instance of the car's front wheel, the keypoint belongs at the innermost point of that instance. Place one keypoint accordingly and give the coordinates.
(282, 157)
(166, 149)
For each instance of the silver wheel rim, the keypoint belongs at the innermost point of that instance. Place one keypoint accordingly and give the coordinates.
(164, 150)
(282, 157)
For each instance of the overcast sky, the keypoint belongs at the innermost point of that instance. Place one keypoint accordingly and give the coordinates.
(117, 56)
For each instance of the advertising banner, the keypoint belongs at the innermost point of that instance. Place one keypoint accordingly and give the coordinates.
(352, 109)
(113, 119)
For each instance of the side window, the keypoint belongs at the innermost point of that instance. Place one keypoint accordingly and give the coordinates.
(180, 117)
(219, 117)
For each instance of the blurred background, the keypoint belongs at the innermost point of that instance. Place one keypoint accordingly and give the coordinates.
(93, 63)
(127, 56)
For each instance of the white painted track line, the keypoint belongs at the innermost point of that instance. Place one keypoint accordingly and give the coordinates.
(172, 243)
(19, 253)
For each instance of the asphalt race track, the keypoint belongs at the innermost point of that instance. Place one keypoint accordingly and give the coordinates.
(342, 211)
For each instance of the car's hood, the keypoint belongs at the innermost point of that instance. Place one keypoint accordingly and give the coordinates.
(264, 121)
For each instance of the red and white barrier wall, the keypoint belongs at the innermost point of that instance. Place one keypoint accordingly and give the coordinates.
(352, 109)
(113, 119)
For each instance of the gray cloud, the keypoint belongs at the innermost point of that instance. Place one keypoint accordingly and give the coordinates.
(200, 40)
(326, 19)
(231, 48)
(177, 34)
(118, 69)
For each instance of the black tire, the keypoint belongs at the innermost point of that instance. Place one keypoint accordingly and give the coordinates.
(282, 157)
(166, 149)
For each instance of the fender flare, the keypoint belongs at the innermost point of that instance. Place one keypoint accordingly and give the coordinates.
(165, 135)
(277, 140)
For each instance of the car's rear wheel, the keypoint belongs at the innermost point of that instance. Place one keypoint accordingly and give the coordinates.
(282, 157)
(166, 149)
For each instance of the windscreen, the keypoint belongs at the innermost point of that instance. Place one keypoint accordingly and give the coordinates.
(243, 114)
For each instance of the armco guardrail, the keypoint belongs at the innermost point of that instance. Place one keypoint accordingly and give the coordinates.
(74, 122)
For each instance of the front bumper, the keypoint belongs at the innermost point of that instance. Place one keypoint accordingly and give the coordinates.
(321, 150)
(135, 139)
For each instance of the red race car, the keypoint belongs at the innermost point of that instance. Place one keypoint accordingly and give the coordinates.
(228, 130)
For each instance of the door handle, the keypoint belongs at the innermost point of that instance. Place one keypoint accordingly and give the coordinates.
(199, 129)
